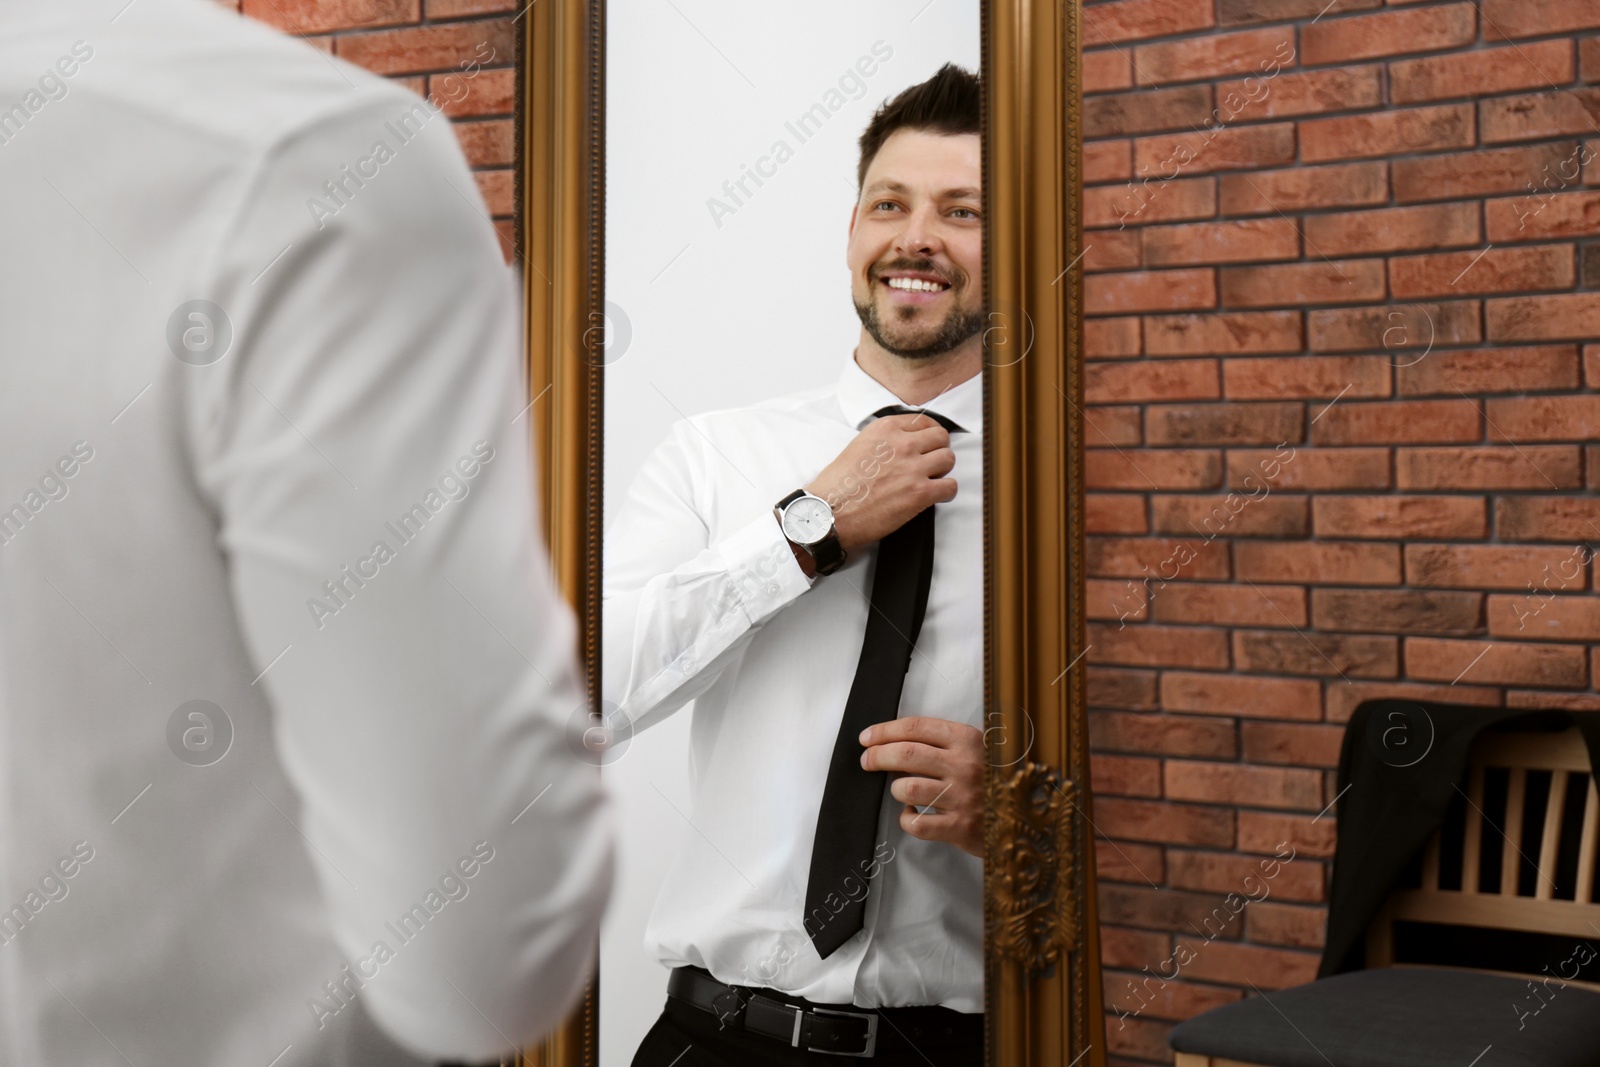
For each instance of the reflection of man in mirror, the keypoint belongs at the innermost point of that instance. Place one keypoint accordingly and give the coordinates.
(809, 572)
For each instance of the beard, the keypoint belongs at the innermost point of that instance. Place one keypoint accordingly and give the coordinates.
(958, 325)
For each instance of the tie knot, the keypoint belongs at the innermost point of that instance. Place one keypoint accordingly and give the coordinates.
(901, 409)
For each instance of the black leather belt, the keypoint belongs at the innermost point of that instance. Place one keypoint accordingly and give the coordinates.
(800, 1023)
(838, 1033)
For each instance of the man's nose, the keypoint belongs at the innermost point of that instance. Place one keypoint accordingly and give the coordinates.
(919, 235)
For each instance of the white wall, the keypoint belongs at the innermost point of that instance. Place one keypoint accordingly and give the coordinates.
(723, 312)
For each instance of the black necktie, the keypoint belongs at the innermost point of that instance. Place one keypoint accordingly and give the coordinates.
(847, 823)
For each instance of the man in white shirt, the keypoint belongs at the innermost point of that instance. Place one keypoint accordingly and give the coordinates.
(283, 678)
(805, 570)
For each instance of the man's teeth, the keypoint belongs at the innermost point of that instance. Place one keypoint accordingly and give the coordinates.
(917, 284)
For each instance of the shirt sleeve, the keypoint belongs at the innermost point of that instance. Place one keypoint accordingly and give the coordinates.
(365, 446)
(679, 609)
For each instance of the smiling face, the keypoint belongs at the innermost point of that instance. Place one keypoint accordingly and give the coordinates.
(916, 244)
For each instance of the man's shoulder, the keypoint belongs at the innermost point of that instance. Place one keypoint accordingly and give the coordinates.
(207, 73)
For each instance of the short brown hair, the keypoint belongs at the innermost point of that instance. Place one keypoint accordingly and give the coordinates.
(950, 102)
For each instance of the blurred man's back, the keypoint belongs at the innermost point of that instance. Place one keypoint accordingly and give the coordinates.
(283, 683)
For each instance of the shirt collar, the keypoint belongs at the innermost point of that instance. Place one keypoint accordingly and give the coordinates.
(860, 395)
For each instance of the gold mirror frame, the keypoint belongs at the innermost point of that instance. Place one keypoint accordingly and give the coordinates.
(1041, 942)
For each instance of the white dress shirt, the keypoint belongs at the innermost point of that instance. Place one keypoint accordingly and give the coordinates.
(191, 529)
(704, 601)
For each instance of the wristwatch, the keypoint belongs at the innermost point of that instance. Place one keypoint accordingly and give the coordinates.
(807, 521)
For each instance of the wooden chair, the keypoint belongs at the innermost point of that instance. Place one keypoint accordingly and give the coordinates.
(1532, 875)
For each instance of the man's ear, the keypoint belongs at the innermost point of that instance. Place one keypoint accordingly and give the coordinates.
(850, 231)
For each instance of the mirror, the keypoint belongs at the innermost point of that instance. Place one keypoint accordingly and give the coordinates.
(649, 317)
(731, 379)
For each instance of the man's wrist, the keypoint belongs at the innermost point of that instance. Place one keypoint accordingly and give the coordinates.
(816, 557)
(801, 556)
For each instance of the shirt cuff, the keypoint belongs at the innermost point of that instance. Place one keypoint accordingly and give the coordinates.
(763, 574)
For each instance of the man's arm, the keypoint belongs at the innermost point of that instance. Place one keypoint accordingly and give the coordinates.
(677, 609)
(363, 452)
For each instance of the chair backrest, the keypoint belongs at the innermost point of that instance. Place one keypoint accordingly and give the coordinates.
(1517, 851)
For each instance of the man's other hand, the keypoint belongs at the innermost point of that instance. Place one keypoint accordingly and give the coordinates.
(938, 764)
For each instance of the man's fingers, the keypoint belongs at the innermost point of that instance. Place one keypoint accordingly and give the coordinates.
(929, 792)
(911, 421)
(907, 757)
(939, 462)
(921, 434)
(938, 826)
(931, 731)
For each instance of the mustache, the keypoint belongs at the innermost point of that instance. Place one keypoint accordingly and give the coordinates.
(956, 278)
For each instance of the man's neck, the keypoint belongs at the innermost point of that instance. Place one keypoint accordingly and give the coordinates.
(919, 381)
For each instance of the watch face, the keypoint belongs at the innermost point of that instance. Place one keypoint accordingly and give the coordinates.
(807, 520)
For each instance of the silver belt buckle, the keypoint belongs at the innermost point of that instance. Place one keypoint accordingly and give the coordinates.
(872, 1031)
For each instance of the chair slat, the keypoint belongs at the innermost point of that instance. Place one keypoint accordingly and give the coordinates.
(1587, 842)
(1430, 863)
(1511, 838)
(1472, 849)
(1539, 751)
(1545, 879)
(1523, 914)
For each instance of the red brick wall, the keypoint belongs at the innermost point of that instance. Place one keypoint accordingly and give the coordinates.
(1355, 292)
(427, 46)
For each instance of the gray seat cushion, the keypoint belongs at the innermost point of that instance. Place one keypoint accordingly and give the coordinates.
(1404, 1017)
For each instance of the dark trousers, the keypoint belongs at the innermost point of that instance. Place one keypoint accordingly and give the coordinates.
(685, 1036)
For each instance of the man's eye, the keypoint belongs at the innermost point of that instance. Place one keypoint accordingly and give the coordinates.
(883, 204)
(967, 212)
